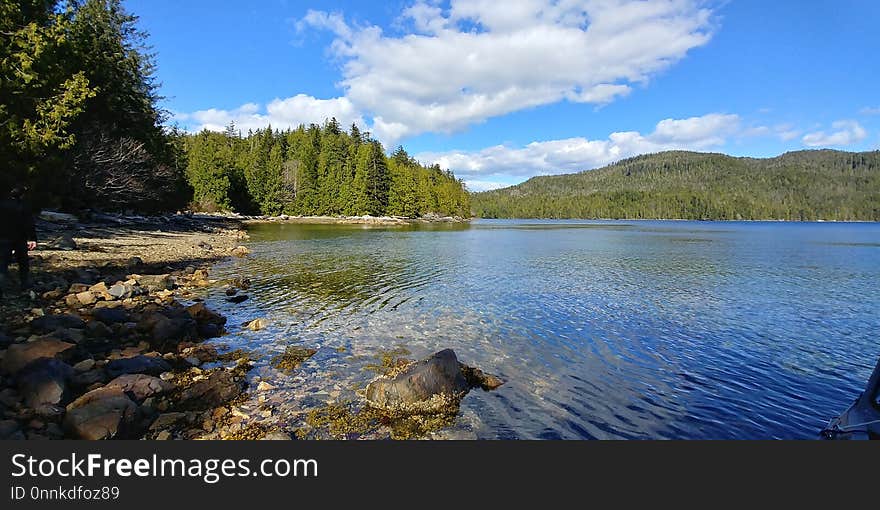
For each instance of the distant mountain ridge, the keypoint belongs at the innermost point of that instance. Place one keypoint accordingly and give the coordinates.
(801, 185)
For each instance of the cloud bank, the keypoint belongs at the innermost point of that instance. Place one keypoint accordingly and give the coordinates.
(473, 60)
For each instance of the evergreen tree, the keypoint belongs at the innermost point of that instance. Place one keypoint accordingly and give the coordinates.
(315, 171)
(42, 92)
(802, 185)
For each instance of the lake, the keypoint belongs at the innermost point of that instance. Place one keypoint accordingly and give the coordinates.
(602, 329)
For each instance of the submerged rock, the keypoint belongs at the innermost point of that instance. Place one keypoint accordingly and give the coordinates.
(240, 251)
(434, 385)
(477, 378)
(242, 283)
(256, 324)
(241, 298)
(292, 358)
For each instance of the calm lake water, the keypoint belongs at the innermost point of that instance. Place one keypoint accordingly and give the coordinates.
(609, 329)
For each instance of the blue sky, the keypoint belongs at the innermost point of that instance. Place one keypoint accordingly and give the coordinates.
(536, 87)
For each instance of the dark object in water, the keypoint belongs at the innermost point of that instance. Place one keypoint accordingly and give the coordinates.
(434, 385)
(862, 419)
(237, 299)
(231, 291)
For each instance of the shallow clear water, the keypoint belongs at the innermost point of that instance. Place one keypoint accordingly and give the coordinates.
(626, 329)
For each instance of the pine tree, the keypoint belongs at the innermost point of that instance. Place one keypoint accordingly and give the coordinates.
(371, 180)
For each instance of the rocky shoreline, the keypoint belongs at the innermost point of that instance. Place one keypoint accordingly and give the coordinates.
(110, 343)
(342, 220)
(101, 348)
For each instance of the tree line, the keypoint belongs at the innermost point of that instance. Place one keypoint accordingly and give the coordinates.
(81, 127)
(314, 170)
(800, 186)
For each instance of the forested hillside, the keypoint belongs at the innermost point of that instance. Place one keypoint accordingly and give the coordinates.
(314, 170)
(804, 185)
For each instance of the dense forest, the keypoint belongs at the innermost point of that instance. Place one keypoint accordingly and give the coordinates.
(79, 124)
(314, 170)
(81, 127)
(803, 185)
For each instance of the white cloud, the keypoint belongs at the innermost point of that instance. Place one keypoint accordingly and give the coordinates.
(280, 114)
(456, 65)
(475, 59)
(847, 132)
(868, 110)
(575, 154)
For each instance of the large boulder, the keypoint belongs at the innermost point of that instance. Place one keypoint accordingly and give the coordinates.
(434, 385)
(150, 365)
(217, 389)
(19, 356)
(140, 386)
(423, 387)
(104, 413)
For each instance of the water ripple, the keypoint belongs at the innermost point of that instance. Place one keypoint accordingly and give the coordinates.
(624, 330)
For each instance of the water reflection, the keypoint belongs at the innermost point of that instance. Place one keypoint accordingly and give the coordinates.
(602, 329)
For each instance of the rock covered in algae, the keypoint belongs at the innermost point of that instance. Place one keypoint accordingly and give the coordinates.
(434, 385)
(292, 358)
